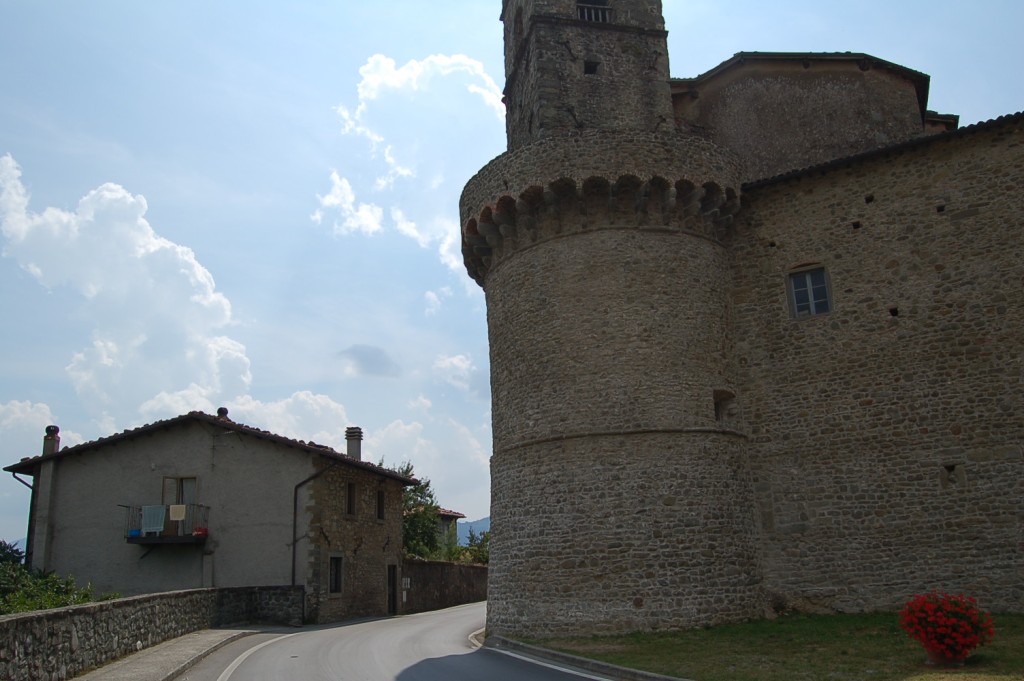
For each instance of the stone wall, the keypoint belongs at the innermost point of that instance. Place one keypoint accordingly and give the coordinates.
(349, 530)
(433, 585)
(785, 114)
(886, 436)
(49, 645)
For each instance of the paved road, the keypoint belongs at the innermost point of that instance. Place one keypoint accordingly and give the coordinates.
(431, 646)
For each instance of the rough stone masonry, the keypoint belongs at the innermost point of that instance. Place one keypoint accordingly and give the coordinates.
(755, 335)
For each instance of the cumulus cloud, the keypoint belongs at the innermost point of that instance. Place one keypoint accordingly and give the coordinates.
(369, 360)
(399, 148)
(436, 298)
(23, 424)
(456, 370)
(421, 403)
(380, 73)
(158, 318)
(362, 217)
(302, 416)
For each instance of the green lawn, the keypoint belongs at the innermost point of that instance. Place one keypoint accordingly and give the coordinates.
(802, 648)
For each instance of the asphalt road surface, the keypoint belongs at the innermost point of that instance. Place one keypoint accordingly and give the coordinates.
(431, 646)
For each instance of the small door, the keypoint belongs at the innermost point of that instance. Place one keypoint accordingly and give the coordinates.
(392, 589)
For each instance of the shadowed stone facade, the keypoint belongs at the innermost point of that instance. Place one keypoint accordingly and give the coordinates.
(678, 441)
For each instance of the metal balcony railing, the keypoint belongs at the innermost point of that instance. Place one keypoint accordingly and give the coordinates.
(166, 524)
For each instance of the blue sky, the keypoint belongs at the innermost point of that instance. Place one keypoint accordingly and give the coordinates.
(255, 205)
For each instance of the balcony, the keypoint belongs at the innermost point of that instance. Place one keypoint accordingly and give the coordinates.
(171, 524)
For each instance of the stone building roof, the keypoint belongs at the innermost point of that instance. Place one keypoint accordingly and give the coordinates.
(27, 464)
(1008, 119)
(920, 80)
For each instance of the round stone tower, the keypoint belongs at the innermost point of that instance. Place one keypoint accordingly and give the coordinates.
(619, 495)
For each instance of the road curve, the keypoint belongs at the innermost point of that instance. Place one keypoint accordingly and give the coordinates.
(431, 646)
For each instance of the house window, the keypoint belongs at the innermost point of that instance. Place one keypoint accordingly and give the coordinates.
(334, 574)
(594, 10)
(350, 498)
(179, 491)
(380, 504)
(809, 292)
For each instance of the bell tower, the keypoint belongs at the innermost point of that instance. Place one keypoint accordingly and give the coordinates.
(573, 65)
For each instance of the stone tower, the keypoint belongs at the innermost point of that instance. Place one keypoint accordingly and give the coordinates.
(620, 498)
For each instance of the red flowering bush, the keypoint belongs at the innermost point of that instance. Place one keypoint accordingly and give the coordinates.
(948, 626)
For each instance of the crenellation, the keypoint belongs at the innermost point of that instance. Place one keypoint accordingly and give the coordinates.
(723, 386)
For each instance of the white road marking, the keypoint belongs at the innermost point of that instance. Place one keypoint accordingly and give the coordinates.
(226, 674)
(582, 675)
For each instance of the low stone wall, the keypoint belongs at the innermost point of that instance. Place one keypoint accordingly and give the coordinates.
(50, 645)
(432, 585)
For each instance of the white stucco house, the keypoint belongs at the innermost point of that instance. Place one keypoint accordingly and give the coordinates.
(202, 501)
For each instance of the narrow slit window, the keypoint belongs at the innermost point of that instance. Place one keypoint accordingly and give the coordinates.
(350, 498)
(335, 573)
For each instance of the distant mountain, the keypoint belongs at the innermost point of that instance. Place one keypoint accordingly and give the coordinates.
(478, 526)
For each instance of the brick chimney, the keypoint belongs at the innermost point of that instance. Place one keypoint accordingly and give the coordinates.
(354, 440)
(51, 441)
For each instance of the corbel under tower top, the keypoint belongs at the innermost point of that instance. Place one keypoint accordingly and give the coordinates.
(576, 65)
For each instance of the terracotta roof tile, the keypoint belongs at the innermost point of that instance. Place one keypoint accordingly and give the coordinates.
(26, 465)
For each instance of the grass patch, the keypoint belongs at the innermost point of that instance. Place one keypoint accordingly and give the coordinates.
(798, 647)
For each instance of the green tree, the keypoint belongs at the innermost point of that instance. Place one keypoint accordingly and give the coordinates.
(478, 549)
(22, 590)
(10, 553)
(421, 535)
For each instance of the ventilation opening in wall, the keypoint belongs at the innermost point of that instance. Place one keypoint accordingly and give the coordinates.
(952, 475)
(594, 10)
(855, 225)
(724, 405)
(894, 311)
(590, 67)
(869, 198)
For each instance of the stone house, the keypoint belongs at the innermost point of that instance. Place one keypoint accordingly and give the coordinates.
(755, 335)
(447, 521)
(202, 501)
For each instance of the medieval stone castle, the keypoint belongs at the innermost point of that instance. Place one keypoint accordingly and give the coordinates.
(756, 336)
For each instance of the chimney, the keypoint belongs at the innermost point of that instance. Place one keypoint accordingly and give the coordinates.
(354, 439)
(222, 413)
(51, 441)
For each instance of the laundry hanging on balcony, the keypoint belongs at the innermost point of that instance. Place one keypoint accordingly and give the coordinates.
(153, 519)
(176, 512)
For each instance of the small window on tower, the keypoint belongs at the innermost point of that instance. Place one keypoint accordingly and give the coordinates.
(590, 67)
(594, 10)
(809, 292)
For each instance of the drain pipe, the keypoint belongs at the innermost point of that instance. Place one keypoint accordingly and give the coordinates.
(295, 514)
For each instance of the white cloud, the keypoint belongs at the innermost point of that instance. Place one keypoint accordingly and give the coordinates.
(379, 73)
(24, 422)
(364, 217)
(302, 416)
(435, 299)
(400, 441)
(395, 170)
(409, 228)
(157, 317)
(421, 403)
(456, 370)
(407, 146)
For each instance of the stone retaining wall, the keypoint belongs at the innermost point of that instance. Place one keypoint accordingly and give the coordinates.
(48, 645)
(434, 585)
